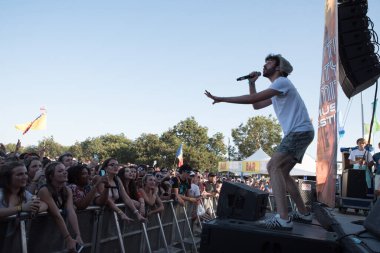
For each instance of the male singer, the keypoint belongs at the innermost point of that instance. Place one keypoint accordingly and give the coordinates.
(298, 134)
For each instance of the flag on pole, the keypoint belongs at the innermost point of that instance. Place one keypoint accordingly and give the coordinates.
(375, 127)
(179, 156)
(38, 123)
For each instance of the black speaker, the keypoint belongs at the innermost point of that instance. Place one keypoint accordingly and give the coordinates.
(354, 184)
(372, 222)
(240, 201)
(359, 65)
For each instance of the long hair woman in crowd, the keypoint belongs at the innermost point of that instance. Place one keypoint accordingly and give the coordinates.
(36, 174)
(128, 177)
(116, 190)
(85, 194)
(163, 185)
(14, 198)
(153, 202)
(58, 197)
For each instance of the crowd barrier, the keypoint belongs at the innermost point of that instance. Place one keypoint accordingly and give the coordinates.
(102, 231)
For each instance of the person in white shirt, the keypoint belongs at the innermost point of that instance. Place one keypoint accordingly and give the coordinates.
(298, 131)
(361, 158)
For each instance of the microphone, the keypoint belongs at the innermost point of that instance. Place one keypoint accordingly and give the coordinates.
(248, 76)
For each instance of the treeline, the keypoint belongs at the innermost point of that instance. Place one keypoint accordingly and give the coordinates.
(200, 150)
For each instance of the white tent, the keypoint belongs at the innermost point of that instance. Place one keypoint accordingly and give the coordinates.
(259, 155)
(308, 167)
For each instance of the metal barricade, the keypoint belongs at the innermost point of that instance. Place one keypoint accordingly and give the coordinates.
(103, 231)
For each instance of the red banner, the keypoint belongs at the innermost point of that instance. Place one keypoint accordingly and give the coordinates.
(327, 125)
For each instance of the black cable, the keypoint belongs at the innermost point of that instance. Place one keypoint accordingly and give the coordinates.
(373, 114)
(355, 234)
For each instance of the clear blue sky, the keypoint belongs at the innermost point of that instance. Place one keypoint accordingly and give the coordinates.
(138, 67)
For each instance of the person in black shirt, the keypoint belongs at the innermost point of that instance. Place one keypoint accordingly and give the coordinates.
(181, 185)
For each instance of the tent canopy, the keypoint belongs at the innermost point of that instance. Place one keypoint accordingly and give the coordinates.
(259, 155)
(306, 168)
(260, 158)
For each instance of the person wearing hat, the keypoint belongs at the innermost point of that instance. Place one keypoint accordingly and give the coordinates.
(298, 134)
(210, 186)
(181, 185)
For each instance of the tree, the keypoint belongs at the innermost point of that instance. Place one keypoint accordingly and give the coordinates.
(52, 148)
(199, 150)
(106, 146)
(260, 131)
(147, 148)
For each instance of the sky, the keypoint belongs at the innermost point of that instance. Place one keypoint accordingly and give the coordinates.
(137, 67)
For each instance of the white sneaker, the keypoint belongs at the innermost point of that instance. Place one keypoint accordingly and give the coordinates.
(276, 223)
(303, 218)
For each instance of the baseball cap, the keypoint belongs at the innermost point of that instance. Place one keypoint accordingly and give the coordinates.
(285, 65)
(185, 168)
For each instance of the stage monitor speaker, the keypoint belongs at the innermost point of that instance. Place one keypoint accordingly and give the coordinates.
(241, 202)
(354, 184)
(372, 222)
(359, 65)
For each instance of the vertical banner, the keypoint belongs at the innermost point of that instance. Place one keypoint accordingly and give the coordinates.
(327, 125)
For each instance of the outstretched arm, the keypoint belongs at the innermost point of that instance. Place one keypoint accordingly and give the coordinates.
(246, 99)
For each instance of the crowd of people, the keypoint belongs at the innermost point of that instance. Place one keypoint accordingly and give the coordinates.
(32, 183)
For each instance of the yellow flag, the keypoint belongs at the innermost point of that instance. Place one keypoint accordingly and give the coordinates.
(38, 124)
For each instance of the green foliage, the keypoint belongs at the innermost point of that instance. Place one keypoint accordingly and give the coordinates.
(52, 148)
(199, 150)
(259, 131)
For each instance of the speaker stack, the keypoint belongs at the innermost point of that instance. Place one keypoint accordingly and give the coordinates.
(359, 66)
(354, 184)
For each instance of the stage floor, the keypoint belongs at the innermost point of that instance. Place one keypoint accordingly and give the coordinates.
(352, 226)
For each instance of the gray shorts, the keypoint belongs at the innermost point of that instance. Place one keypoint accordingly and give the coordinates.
(296, 143)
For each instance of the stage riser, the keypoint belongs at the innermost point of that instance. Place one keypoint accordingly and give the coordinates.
(220, 237)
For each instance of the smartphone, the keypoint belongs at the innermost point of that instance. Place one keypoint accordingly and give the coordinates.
(102, 172)
(78, 247)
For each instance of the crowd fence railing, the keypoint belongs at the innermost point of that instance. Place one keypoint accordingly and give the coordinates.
(103, 231)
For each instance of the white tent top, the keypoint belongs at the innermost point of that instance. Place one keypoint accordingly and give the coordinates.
(259, 155)
(306, 168)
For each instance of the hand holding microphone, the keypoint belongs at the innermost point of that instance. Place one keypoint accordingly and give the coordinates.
(254, 74)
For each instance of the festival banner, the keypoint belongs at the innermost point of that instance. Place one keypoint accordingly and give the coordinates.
(327, 124)
(251, 167)
(234, 167)
(223, 167)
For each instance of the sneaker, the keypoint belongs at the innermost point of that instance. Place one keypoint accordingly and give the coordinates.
(303, 218)
(276, 223)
